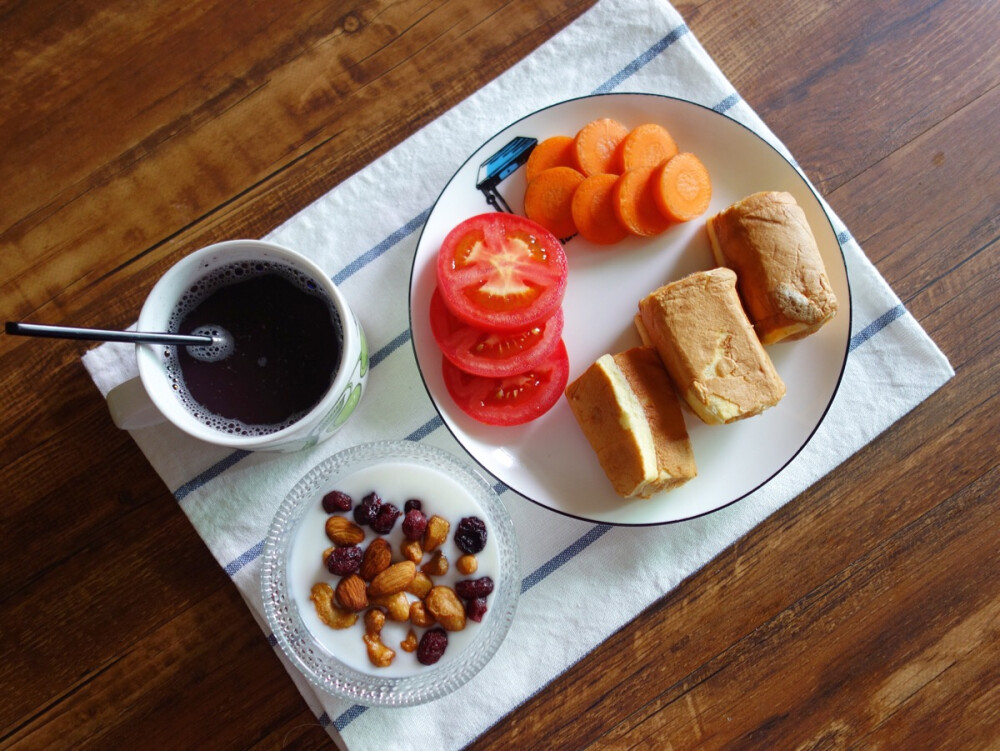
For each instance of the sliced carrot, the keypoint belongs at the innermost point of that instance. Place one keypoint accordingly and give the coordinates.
(596, 145)
(556, 151)
(635, 205)
(682, 188)
(594, 211)
(548, 200)
(647, 145)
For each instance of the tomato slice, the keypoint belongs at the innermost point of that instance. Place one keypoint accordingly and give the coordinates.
(512, 400)
(501, 272)
(493, 353)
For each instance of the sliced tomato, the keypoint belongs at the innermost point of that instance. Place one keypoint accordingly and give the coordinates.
(512, 400)
(492, 353)
(501, 272)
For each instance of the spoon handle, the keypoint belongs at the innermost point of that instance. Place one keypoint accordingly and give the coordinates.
(103, 335)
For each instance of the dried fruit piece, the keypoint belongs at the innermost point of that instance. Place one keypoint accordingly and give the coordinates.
(337, 500)
(436, 566)
(365, 511)
(409, 644)
(476, 609)
(344, 561)
(413, 503)
(377, 558)
(385, 519)
(419, 615)
(334, 617)
(436, 533)
(351, 593)
(447, 609)
(414, 524)
(343, 532)
(470, 589)
(467, 564)
(432, 646)
(420, 585)
(394, 579)
(471, 535)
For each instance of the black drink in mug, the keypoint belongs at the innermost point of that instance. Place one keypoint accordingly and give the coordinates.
(287, 341)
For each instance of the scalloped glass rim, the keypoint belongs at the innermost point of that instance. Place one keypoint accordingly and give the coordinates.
(324, 670)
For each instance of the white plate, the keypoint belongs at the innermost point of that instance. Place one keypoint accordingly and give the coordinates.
(549, 461)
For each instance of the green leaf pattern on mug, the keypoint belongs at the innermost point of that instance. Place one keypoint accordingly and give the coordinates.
(351, 395)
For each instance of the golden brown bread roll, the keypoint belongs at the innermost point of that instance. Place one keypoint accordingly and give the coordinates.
(627, 409)
(709, 348)
(767, 241)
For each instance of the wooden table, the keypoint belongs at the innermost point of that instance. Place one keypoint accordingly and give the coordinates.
(865, 613)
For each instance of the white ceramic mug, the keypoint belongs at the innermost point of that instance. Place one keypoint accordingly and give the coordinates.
(152, 397)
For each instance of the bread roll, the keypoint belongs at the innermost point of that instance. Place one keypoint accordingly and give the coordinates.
(709, 347)
(767, 241)
(627, 409)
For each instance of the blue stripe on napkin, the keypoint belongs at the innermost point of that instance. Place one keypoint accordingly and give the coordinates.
(363, 260)
(642, 60)
(876, 326)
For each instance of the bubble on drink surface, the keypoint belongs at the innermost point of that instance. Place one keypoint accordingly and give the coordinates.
(198, 292)
(222, 345)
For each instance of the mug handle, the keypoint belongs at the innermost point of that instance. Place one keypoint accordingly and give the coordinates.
(131, 408)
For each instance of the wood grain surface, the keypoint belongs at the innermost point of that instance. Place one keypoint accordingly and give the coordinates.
(864, 614)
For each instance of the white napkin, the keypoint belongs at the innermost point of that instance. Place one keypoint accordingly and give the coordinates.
(364, 234)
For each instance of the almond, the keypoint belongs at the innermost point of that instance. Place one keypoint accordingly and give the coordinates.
(351, 593)
(447, 609)
(394, 579)
(343, 532)
(378, 557)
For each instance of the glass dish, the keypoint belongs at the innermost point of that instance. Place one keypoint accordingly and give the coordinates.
(336, 661)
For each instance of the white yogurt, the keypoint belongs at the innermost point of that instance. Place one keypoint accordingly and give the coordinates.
(395, 482)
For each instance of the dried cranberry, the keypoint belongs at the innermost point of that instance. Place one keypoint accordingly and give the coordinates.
(336, 500)
(476, 609)
(471, 535)
(344, 561)
(385, 519)
(411, 504)
(473, 589)
(366, 511)
(432, 646)
(414, 524)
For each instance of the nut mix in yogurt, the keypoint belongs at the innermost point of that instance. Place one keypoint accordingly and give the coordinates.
(407, 578)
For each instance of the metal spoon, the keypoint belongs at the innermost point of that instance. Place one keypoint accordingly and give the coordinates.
(205, 343)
